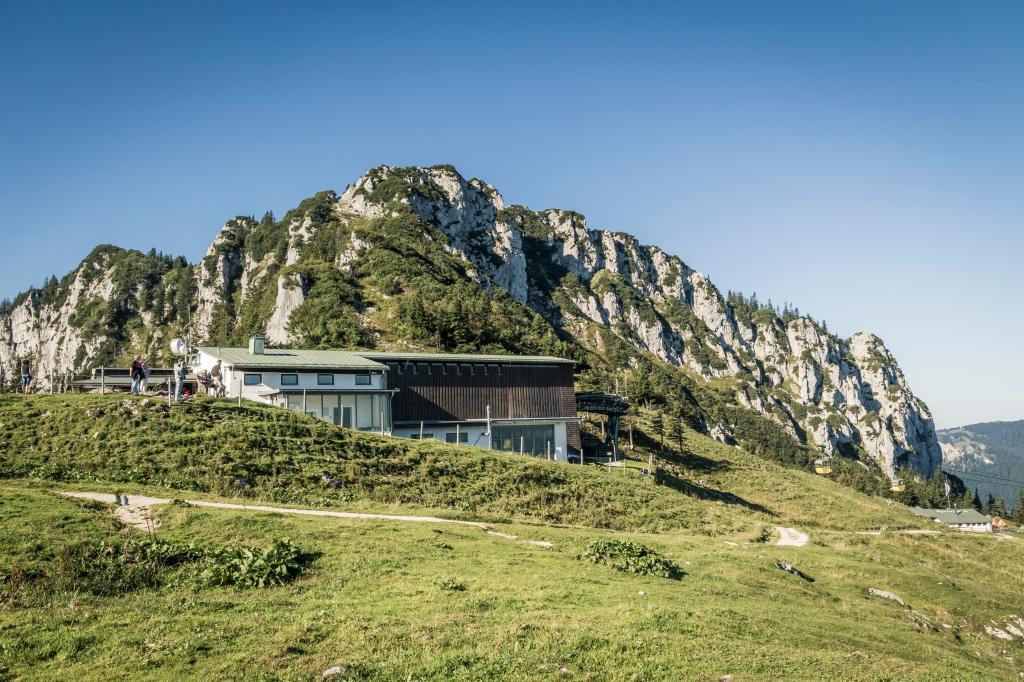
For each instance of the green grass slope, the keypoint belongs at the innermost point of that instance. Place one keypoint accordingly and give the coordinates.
(273, 455)
(385, 601)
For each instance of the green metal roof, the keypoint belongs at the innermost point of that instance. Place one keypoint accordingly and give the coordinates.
(291, 359)
(345, 359)
(952, 516)
(467, 357)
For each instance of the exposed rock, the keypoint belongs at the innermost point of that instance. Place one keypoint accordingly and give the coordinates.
(886, 595)
(790, 568)
(833, 392)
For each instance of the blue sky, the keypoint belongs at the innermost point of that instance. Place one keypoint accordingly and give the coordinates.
(864, 162)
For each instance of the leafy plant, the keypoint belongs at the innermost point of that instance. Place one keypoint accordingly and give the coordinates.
(631, 557)
(280, 563)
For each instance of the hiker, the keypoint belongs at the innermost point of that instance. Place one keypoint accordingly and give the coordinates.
(180, 370)
(136, 375)
(144, 383)
(218, 380)
(26, 376)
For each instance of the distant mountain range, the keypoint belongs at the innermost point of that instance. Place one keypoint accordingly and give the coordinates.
(988, 457)
(424, 258)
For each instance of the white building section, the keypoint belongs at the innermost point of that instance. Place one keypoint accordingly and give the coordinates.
(521, 404)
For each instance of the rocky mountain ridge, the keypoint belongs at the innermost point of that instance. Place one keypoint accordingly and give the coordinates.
(989, 457)
(334, 268)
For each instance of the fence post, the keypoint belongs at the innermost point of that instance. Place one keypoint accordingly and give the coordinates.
(103, 381)
(489, 439)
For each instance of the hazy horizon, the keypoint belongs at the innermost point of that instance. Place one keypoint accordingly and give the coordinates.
(864, 164)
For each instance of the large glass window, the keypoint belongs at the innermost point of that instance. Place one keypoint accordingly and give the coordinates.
(289, 379)
(330, 411)
(453, 437)
(351, 410)
(530, 440)
(348, 410)
(253, 379)
(325, 379)
(362, 380)
(313, 404)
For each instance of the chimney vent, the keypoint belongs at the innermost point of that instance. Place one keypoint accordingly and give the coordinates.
(257, 344)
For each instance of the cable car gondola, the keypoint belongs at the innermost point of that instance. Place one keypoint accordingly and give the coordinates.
(823, 465)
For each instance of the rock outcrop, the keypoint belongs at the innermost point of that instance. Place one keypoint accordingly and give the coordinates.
(829, 391)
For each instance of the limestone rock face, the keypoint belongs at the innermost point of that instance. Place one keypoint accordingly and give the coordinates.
(50, 333)
(291, 292)
(467, 211)
(825, 390)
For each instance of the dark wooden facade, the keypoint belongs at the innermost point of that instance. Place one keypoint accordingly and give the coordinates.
(435, 392)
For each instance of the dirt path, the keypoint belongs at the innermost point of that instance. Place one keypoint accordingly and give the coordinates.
(790, 537)
(137, 513)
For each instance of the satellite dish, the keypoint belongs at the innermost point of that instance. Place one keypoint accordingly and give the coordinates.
(179, 347)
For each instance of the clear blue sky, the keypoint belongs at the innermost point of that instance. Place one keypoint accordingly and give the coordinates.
(866, 162)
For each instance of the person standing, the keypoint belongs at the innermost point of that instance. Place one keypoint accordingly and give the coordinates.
(26, 376)
(180, 370)
(136, 374)
(144, 376)
(217, 375)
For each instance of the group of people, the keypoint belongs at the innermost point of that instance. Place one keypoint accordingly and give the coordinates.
(140, 372)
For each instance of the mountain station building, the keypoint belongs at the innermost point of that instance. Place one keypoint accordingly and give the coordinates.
(961, 519)
(525, 403)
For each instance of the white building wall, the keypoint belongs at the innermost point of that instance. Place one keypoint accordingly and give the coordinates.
(475, 434)
(234, 380)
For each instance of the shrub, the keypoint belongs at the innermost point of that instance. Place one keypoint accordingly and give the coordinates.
(452, 585)
(280, 563)
(631, 557)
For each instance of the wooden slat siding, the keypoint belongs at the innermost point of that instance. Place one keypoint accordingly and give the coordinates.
(453, 394)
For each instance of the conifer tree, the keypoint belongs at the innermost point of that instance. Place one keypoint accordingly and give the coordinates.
(1018, 509)
(658, 424)
(998, 507)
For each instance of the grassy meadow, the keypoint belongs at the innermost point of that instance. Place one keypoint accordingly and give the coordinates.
(386, 600)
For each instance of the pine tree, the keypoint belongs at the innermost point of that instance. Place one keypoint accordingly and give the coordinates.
(998, 507)
(658, 424)
(1018, 509)
(976, 502)
(989, 504)
(677, 429)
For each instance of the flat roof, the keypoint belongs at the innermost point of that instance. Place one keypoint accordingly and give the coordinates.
(286, 358)
(289, 358)
(467, 357)
(952, 516)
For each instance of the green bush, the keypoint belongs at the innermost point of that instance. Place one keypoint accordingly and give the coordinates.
(631, 557)
(280, 563)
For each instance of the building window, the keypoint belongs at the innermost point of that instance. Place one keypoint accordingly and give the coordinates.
(529, 440)
(453, 437)
(253, 379)
(289, 379)
(362, 380)
(325, 379)
(425, 436)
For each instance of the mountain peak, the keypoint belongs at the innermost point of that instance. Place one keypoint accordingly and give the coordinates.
(341, 270)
